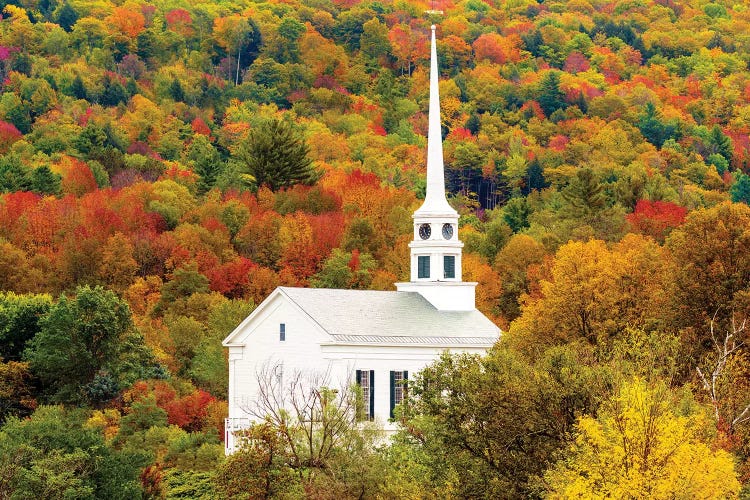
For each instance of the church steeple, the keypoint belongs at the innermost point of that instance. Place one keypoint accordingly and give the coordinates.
(435, 249)
(434, 200)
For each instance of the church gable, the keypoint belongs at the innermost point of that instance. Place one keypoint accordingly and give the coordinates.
(277, 316)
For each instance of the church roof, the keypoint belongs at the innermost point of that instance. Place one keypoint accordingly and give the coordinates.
(392, 318)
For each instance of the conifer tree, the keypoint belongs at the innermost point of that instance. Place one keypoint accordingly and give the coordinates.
(551, 98)
(44, 181)
(276, 156)
(78, 89)
(67, 17)
(584, 194)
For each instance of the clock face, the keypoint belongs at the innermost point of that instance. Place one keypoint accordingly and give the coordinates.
(447, 231)
(425, 231)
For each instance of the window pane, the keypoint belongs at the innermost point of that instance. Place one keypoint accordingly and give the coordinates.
(282, 332)
(365, 383)
(423, 266)
(449, 266)
(398, 387)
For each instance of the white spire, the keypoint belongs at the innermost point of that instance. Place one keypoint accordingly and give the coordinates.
(434, 201)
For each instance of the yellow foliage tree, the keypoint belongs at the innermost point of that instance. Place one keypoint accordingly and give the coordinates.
(594, 293)
(641, 447)
(118, 267)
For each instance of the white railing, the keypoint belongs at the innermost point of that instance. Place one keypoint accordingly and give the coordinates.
(231, 425)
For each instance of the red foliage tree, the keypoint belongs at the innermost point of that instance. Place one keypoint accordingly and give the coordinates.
(12, 207)
(78, 178)
(232, 278)
(576, 63)
(200, 127)
(496, 48)
(8, 135)
(189, 412)
(656, 218)
(179, 21)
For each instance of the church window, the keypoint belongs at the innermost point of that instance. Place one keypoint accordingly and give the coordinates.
(398, 388)
(282, 332)
(449, 266)
(423, 266)
(366, 382)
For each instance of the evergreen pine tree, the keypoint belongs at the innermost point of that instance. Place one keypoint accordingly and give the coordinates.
(14, 176)
(114, 93)
(275, 155)
(44, 181)
(176, 92)
(720, 143)
(740, 190)
(585, 194)
(551, 98)
(67, 17)
(78, 89)
(206, 161)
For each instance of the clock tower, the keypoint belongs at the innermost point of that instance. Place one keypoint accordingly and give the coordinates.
(435, 248)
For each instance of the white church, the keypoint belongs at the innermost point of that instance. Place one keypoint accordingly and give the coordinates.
(376, 339)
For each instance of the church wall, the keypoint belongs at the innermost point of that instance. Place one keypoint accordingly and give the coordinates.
(264, 351)
(383, 359)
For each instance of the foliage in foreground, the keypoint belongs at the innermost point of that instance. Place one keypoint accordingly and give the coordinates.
(643, 444)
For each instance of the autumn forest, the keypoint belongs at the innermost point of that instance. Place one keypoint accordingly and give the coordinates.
(165, 165)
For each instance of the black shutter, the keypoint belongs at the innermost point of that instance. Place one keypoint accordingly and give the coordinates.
(360, 404)
(372, 394)
(393, 391)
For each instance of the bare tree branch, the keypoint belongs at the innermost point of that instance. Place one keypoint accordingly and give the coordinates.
(313, 417)
(725, 348)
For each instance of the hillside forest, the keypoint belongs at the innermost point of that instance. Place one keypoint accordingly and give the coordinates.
(165, 165)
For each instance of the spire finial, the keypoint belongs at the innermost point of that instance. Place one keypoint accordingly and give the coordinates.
(435, 196)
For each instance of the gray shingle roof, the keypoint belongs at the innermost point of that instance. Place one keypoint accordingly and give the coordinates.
(376, 317)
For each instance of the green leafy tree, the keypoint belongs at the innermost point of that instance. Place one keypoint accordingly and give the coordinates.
(53, 454)
(653, 128)
(374, 41)
(20, 317)
(345, 270)
(16, 111)
(78, 338)
(276, 156)
(143, 414)
(186, 282)
(290, 30)
(489, 427)
(209, 365)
